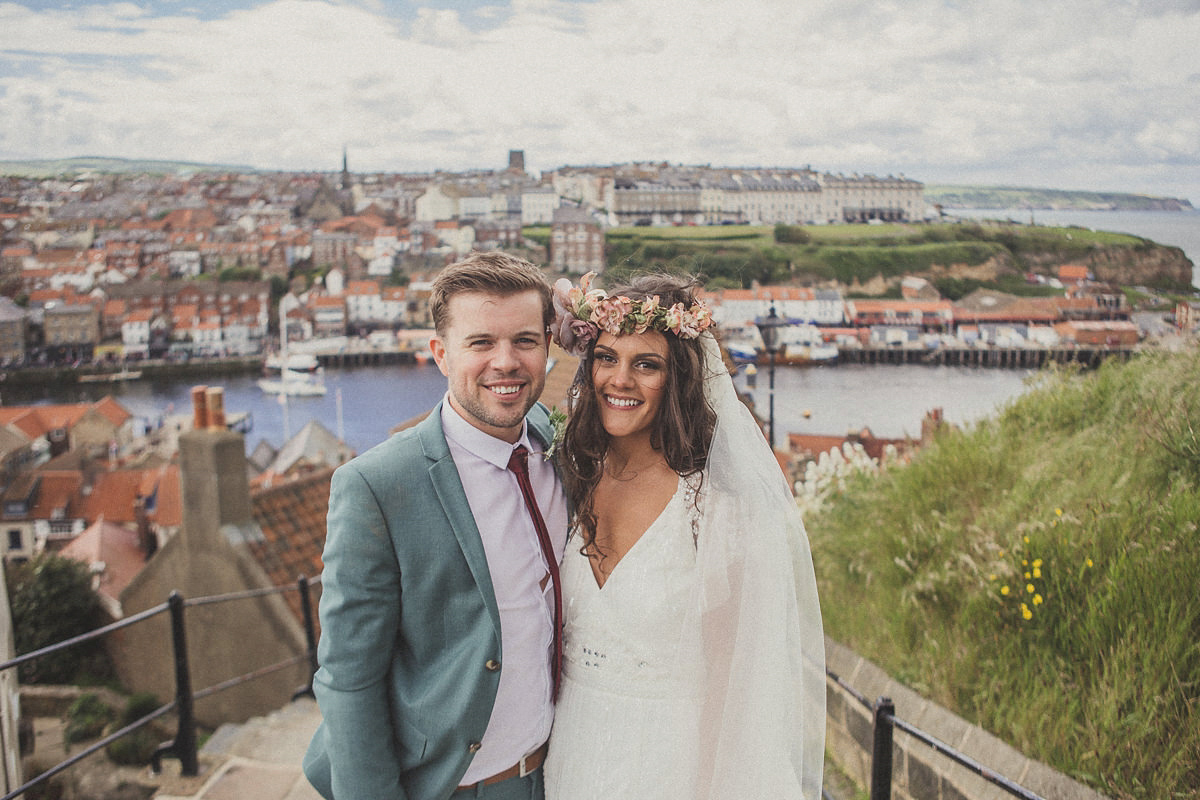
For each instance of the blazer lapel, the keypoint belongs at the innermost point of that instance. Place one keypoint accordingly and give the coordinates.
(443, 474)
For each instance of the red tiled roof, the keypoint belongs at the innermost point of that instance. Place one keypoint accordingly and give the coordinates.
(112, 496)
(58, 490)
(292, 518)
(35, 421)
(116, 548)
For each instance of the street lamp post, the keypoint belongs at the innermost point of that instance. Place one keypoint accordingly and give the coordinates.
(768, 328)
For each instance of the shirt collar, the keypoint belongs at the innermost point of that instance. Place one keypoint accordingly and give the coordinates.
(483, 445)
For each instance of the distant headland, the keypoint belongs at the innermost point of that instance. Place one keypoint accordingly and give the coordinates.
(1058, 199)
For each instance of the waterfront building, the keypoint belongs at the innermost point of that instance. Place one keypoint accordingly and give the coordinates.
(13, 323)
(576, 242)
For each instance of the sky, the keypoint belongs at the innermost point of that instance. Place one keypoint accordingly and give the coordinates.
(1068, 94)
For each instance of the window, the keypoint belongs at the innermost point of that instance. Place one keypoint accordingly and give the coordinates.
(14, 539)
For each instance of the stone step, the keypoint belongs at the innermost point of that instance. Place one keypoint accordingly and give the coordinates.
(258, 759)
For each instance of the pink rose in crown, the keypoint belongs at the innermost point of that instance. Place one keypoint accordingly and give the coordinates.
(609, 314)
(571, 333)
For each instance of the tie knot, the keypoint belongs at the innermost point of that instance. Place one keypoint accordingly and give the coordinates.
(518, 462)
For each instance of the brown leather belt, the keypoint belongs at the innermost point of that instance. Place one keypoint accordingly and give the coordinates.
(519, 770)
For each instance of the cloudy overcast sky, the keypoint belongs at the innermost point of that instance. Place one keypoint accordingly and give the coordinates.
(1065, 94)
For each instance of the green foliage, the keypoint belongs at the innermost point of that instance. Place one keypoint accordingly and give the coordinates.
(135, 748)
(87, 717)
(239, 274)
(864, 262)
(1036, 573)
(52, 600)
(792, 234)
(537, 233)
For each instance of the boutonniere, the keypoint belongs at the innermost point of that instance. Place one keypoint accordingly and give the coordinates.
(558, 421)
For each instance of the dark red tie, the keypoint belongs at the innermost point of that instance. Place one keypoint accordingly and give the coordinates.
(519, 464)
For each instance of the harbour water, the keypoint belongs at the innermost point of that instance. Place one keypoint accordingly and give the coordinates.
(365, 403)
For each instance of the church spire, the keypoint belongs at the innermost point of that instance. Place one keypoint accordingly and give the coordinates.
(345, 170)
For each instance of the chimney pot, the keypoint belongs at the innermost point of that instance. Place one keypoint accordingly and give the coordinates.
(215, 397)
(199, 408)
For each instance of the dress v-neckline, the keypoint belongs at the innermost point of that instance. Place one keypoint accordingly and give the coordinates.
(592, 569)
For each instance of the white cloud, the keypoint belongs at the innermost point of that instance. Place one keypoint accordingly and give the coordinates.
(1013, 90)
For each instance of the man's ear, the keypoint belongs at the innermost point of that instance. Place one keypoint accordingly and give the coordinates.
(438, 348)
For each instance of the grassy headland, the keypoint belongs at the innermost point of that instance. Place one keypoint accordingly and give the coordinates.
(1025, 197)
(1037, 573)
(957, 258)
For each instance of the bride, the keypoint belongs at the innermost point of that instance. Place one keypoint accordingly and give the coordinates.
(694, 657)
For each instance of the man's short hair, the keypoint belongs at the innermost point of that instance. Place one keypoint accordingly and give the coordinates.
(493, 272)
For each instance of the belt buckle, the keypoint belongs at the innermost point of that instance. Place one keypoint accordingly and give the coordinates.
(521, 769)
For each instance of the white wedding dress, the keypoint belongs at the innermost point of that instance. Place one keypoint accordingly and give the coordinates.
(626, 712)
(697, 671)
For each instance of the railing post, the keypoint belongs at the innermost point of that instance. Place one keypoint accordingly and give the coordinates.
(310, 634)
(183, 746)
(881, 754)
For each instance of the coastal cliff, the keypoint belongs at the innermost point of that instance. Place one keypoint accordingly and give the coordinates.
(1146, 264)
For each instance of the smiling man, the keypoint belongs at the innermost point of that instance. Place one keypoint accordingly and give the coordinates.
(437, 615)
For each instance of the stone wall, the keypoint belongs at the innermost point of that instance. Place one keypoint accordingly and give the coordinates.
(918, 771)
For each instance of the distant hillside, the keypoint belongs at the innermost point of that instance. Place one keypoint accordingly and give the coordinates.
(49, 168)
(1017, 197)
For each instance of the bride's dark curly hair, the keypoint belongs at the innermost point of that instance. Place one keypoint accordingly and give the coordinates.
(683, 430)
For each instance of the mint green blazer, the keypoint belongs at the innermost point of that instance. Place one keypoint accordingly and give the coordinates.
(410, 649)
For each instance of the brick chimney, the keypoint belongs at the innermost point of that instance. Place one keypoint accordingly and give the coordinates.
(212, 467)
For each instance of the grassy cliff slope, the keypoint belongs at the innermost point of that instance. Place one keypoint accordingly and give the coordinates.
(1039, 574)
(958, 258)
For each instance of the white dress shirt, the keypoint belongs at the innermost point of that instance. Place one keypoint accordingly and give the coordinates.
(523, 711)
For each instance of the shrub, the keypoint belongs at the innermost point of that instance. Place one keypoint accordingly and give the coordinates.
(87, 717)
(135, 748)
(52, 600)
(792, 234)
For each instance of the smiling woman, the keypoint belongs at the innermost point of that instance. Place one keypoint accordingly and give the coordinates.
(689, 591)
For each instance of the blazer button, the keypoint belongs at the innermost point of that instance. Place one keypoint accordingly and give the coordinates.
(474, 747)
(492, 665)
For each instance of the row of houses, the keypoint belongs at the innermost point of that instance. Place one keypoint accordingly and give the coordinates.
(183, 319)
(985, 316)
(104, 230)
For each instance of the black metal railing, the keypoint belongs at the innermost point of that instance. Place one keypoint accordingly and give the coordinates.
(183, 746)
(883, 712)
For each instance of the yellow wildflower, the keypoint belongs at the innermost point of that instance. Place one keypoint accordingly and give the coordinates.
(1027, 576)
(1089, 563)
(992, 577)
(1004, 591)
(1037, 599)
(1037, 562)
(1025, 612)
(1026, 538)
(1029, 588)
(1037, 573)
(1058, 512)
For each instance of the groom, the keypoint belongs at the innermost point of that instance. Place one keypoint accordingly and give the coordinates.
(432, 552)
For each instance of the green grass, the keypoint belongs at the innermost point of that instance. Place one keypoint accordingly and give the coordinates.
(1088, 484)
(739, 255)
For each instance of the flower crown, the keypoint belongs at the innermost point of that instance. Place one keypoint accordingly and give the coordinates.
(580, 313)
